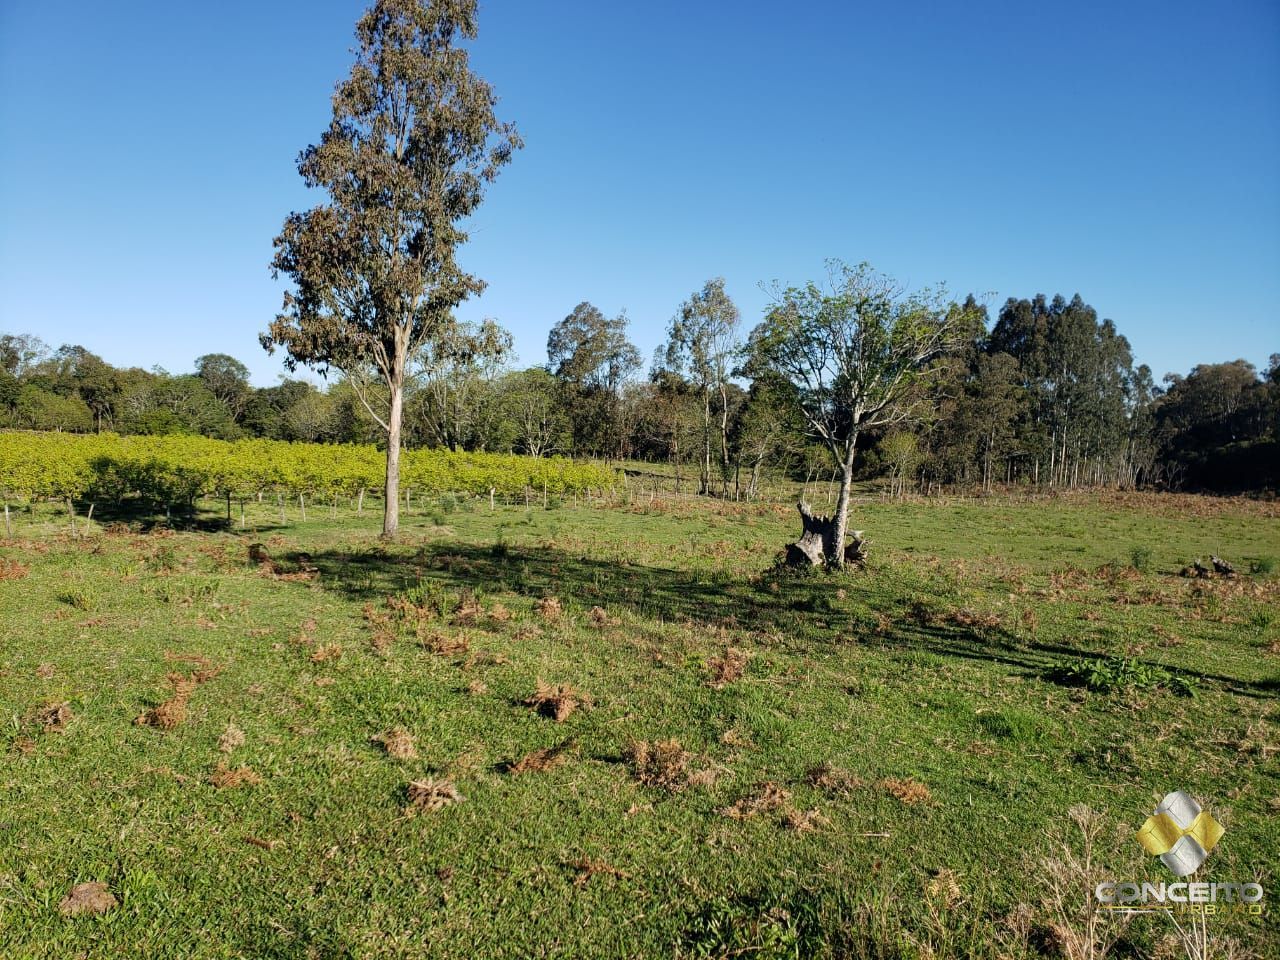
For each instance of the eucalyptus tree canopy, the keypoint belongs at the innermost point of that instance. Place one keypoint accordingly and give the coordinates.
(412, 144)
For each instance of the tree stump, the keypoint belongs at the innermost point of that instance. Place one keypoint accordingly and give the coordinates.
(817, 542)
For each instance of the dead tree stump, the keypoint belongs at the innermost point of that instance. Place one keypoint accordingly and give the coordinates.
(817, 542)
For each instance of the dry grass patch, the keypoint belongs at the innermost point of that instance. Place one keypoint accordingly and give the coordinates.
(229, 778)
(833, 779)
(92, 898)
(13, 570)
(172, 712)
(442, 644)
(587, 868)
(662, 763)
(469, 610)
(428, 796)
(910, 792)
(944, 888)
(725, 669)
(262, 844)
(382, 630)
(232, 738)
(548, 758)
(327, 653)
(557, 702)
(964, 617)
(398, 743)
(549, 608)
(600, 617)
(804, 821)
(766, 798)
(54, 717)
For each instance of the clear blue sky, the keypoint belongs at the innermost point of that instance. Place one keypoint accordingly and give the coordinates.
(1129, 151)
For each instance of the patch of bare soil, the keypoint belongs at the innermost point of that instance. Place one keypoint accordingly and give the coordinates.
(91, 898)
(539, 761)
(54, 717)
(398, 743)
(556, 702)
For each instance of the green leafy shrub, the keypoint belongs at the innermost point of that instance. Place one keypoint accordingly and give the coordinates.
(1113, 674)
(1140, 558)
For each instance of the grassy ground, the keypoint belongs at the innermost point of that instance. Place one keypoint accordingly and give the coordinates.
(870, 764)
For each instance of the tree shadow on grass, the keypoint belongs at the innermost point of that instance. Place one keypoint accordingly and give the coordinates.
(144, 516)
(794, 610)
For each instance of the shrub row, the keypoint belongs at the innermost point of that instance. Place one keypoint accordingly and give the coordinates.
(178, 469)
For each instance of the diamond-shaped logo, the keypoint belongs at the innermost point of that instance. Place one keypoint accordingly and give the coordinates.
(1180, 833)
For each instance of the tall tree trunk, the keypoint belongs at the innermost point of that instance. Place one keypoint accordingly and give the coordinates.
(835, 549)
(724, 442)
(675, 453)
(391, 501)
(706, 442)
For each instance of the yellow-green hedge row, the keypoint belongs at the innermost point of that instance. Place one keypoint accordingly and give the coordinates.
(174, 469)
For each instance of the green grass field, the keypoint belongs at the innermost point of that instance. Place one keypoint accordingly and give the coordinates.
(870, 764)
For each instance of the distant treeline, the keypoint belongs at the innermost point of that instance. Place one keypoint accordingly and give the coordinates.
(1047, 396)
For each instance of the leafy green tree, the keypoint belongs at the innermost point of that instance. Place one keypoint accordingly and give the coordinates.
(765, 430)
(702, 346)
(671, 422)
(161, 404)
(311, 417)
(533, 408)
(38, 409)
(858, 353)
(19, 352)
(412, 144)
(455, 401)
(1077, 372)
(227, 379)
(590, 350)
(266, 410)
(1216, 427)
(591, 354)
